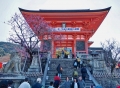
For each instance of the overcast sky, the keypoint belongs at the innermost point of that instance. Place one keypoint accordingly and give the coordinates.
(110, 27)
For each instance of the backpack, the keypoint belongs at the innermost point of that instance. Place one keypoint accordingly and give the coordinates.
(78, 59)
(75, 63)
(75, 73)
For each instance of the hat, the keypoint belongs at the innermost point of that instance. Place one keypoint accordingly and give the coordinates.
(38, 79)
(26, 79)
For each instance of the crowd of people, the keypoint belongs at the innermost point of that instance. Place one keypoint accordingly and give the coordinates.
(24, 84)
(64, 54)
(76, 82)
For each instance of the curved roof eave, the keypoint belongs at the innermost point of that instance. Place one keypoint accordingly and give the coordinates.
(82, 10)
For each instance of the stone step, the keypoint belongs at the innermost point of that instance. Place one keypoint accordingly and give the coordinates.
(33, 70)
(86, 86)
(67, 65)
(64, 77)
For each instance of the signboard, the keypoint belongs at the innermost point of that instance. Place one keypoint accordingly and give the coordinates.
(66, 29)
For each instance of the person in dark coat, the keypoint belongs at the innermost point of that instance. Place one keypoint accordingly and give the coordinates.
(67, 83)
(75, 63)
(78, 62)
(10, 84)
(84, 72)
(4, 84)
(37, 84)
(81, 82)
(75, 84)
(73, 56)
(59, 70)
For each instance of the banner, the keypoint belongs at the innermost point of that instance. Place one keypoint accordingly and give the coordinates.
(66, 29)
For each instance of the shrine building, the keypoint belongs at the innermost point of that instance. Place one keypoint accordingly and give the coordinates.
(75, 26)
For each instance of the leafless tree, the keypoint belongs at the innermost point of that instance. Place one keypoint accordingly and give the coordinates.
(23, 34)
(111, 51)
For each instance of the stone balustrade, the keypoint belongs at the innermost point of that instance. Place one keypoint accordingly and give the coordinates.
(106, 75)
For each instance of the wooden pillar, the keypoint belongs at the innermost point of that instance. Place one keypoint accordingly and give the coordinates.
(75, 45)
(52, 48)
(86, 44)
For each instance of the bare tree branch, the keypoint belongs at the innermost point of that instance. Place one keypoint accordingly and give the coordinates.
(112, 52)
(21, 32)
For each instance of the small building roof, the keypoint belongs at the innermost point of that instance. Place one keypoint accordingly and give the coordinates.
(95, 48)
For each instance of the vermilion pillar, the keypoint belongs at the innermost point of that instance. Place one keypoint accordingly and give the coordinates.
(52, 48)
(86, 46)
(75, 45)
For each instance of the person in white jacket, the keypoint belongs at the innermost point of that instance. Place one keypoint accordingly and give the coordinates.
(25, 84)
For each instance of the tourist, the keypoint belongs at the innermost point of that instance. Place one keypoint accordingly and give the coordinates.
(25, 84)
(75, 84)
(118, 86)
(81, 63)
(81, 82)
(10, 84)
(84, 72)
(70, 54)
(51, 85)
(62, 54)
(92, 86)
(56, 81)
(67, 83)
(75, 64)
(37, 84)
(4, 84)
(75, 74)
(78, 62)
(66, 54)
(73, 56)
(98, 86)
(59, 70)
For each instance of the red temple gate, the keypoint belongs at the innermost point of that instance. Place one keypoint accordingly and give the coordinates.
(75, 26)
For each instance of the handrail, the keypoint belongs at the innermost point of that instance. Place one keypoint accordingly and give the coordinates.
(62, 84)
(92, 78)
(46, 69)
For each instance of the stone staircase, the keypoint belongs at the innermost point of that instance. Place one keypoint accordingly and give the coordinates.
(67, 65)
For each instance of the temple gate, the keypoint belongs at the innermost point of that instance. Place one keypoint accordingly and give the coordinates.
(73, 28)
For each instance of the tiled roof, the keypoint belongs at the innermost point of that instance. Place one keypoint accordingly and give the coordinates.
(78, 10)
